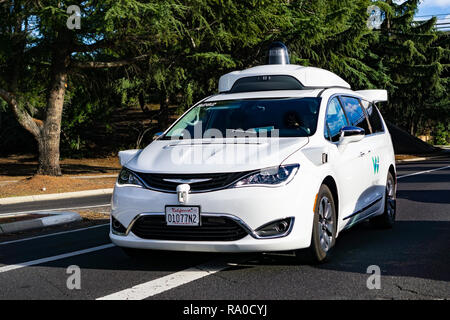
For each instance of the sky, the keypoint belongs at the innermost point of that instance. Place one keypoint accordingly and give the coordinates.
(438, 8)
(434, 7)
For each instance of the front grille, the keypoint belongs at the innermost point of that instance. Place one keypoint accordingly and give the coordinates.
(216, 180)
(211, 229)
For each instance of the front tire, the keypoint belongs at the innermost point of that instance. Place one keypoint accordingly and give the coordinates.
(324, 229)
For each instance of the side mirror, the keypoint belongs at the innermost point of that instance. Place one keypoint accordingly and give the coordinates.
(157, 135)
(127, 155)
(351, 134)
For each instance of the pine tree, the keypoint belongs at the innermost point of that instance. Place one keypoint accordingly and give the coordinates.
(219, 36)
(334, 35)
(39, 51)
(413, 56)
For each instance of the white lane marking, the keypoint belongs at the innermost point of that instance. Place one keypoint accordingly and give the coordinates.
(56, 209)
(422, 172)
(54, 234)
(54, 258)
(171, 281)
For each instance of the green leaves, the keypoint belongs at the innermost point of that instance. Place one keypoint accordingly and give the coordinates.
(413, 54)
(214, 58)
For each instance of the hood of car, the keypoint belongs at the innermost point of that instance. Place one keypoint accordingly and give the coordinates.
(203, 156)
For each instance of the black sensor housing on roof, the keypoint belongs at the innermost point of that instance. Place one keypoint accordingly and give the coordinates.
(266, 83)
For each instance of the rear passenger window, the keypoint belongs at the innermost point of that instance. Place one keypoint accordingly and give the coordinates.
(374, 116)
(355, 113)
(335, 120)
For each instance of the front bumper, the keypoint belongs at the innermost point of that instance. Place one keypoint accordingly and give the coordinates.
(252, 206)
(247, 244)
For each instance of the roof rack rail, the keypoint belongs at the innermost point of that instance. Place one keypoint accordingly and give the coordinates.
(331, 87)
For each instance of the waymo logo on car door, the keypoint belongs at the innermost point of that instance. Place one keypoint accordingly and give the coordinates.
(376, 164)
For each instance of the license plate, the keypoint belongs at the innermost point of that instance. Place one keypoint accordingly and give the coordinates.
(182, 216)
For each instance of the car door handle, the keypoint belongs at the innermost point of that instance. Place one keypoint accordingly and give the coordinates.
(362, 154)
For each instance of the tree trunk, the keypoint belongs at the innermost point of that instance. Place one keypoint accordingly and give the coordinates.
(163, 111)
(412, 127)
(141, 100)
(49, 138)
(49, 155)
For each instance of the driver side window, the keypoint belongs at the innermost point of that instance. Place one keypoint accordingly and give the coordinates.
(335, 119)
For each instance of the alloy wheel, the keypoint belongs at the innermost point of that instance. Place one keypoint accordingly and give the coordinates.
(326, 224)
(390, 194)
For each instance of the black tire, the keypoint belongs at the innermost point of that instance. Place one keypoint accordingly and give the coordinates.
(324, 228)
(387, 219)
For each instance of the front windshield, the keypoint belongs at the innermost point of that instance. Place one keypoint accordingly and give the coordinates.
(287, 117)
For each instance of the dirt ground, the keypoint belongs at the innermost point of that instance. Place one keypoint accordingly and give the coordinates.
(94, 214)
(20, 166)
(45, 185)
(17, 176)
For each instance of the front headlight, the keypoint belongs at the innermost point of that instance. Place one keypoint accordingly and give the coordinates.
(128, 177)
(271, 176)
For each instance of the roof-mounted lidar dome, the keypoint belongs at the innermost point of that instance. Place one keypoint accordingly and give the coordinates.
(278, 53)
(278, 74)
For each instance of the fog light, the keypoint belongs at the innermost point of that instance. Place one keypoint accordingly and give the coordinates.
(279, 228)
(282, 226)
(117, 227)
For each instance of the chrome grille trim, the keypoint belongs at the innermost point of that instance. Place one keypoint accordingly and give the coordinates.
(219, 215)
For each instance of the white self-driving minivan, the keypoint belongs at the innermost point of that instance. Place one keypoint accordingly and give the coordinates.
(283, 158)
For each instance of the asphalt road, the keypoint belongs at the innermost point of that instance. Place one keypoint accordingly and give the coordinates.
(413, 258)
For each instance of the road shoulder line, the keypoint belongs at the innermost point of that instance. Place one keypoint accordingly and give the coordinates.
(171, 281)
(53, 234)
(422, 172)
(54, 258)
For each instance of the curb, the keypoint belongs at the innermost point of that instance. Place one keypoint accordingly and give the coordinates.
(412, 159)
(55, 219)
(421, 159)
(55, 196)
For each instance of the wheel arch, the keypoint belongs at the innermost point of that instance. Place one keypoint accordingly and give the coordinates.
(394, 174)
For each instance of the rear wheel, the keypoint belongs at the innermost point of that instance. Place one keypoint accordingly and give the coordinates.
(387, 219)
(324, 229)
